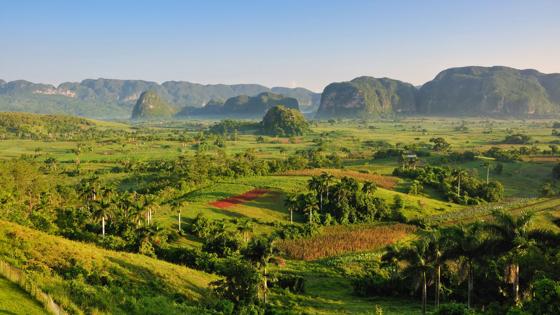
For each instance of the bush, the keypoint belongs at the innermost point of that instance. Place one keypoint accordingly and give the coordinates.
(545, 297)
(453, 309)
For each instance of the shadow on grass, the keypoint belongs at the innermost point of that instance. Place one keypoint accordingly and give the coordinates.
(150, 284)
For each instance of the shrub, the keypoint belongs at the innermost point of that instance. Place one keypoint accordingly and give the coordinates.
(453, 309)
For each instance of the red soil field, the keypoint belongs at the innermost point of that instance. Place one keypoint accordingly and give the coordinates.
(239, 199)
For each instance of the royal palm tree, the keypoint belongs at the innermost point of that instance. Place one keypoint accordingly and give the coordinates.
(261, 252)
(418, 258)
(291, 202)
(437, 246)
(459, 174)
(327, 179)
(369, 188)
(308, 204)
(511, 236)
(316, 184)
(467, 242)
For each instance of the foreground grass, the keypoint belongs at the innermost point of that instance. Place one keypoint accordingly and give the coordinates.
(13, 300)
(329, 291)
(85, 279)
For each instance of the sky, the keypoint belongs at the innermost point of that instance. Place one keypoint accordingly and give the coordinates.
(307, 43)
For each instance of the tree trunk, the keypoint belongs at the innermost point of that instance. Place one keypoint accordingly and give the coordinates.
(470, 284)
(438, 284)
(103, 226)
(291, 216)
(459, 185)
(487, 174)
(180, 222)
(321, 201)
(265, 285)
(516, 284)
(424, 293)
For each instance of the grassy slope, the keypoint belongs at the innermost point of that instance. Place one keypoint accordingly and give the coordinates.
(83, 277)
(328, 290)
(13, 300)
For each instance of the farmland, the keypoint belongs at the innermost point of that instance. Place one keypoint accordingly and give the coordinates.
(183, 203)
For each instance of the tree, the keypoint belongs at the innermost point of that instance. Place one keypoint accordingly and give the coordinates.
(487, 165)
(511, 238)
(316, 184)
(291, 202)
(417, 256)
(240, 283)
(415, 187)
(467, 242)
(369, 188)
(545, 297)
(556, 171)
(327, 179)
(245, 227)
(437, 245)
(440, 144)
(283, 121)
(260, 252)
(459, 174)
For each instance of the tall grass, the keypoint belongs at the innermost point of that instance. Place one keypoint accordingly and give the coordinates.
(17, 276)
(341, 239)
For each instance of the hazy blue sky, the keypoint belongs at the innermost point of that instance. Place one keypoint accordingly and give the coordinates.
(276, 43)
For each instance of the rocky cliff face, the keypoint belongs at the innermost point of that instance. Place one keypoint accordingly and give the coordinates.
(366, 97)
(499, 91)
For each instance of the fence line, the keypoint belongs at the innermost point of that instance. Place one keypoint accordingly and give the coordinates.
(17, 276)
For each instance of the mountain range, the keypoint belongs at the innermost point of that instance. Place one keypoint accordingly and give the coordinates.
(465, 91)
(109, 98)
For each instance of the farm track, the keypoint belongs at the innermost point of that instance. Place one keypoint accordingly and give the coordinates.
(552, 204)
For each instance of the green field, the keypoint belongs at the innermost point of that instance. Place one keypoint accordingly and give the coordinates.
(13, 300)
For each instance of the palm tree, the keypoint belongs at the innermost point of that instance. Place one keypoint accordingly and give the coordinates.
(327, 179)
(437, 246)
(459, 174)
(291, 202)
(307, 203)
(261, 252)
(391, 258)
(316, 184)
(467, 242)
(487, 165)
(245, 227)
(103, 208)
(369, 188)
(511, 237)
(418, 258)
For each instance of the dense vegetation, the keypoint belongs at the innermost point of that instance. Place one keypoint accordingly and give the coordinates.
(367, 97)
(242, 106)
(151, 106)
(219, 218)
(284, 121)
